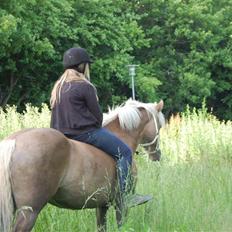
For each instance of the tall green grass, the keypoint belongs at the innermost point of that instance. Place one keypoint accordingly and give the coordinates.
(32, 117)
(192, 185)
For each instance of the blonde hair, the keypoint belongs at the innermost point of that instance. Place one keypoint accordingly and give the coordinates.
(70, 75)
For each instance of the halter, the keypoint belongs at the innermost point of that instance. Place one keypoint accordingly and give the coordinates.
(155, 139)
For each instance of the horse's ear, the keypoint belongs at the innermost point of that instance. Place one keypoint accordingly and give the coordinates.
(159, 106)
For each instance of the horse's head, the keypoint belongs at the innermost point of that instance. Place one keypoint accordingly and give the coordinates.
(137, 122)
(150, 134)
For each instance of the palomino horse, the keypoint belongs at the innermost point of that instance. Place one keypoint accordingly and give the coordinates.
(38, 166)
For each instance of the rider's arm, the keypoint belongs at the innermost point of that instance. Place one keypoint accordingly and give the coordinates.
(91, 100)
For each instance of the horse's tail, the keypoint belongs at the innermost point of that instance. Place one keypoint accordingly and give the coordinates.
(7, 148)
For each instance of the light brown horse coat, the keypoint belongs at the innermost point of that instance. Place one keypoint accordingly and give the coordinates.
(45, 166)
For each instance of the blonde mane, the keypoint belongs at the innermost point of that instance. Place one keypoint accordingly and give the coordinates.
(129, 115)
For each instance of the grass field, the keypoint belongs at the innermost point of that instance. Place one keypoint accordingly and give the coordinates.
(192, 185)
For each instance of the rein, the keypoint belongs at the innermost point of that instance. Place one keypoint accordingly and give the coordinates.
(156, 139)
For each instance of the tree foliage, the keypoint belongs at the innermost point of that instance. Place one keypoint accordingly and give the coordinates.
(190, 51)
(183, 49)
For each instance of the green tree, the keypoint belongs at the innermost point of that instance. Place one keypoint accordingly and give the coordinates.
(110, 31)
(33, 32)
(35, 35)
(183, 49)
(189, 52)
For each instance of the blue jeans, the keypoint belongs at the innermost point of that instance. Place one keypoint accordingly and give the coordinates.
(112, 145)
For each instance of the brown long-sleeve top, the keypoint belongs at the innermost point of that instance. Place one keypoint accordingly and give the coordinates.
(77, 110)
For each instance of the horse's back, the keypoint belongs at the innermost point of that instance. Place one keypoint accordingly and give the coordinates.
(36, 134)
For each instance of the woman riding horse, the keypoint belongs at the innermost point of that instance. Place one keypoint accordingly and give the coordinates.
(76, 113)
(41, 165)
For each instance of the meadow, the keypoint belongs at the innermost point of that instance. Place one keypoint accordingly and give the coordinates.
(191, 185)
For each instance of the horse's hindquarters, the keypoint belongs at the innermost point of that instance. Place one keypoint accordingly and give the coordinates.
(38, 166)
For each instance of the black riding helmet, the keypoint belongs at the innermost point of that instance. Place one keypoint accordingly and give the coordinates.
(75, 56)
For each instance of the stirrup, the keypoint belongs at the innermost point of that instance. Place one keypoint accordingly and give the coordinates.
(137, 199)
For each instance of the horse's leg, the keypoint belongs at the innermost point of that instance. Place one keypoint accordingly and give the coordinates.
(101, 218)
(25, 220)
(120, 216)
(28, 207)
(31, 196)
(121, 210)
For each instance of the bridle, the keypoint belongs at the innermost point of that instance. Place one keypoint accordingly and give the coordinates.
(155, 140)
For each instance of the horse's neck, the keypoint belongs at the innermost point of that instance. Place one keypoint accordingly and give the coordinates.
(125, 136)
(131, 138)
